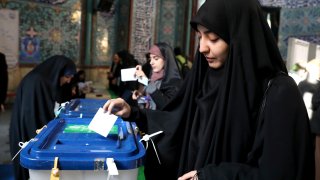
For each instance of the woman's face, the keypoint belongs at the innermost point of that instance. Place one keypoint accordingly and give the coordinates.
(156, 62)
(65, 80)
(212, 47)
(116, 59)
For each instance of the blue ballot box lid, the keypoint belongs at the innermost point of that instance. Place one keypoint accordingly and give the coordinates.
(79, 148)
(81, 107)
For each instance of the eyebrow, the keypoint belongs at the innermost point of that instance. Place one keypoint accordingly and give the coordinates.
(207, 31)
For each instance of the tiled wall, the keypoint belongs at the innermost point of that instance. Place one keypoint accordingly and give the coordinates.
(299, 19)
(290, 3)
(111, 33)
(55, 28)
(302, 23)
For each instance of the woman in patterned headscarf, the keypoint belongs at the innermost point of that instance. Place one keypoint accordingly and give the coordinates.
(164, 80)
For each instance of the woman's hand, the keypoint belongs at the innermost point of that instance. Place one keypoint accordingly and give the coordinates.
(118, 107)
(139, 73)
(192, 175)
(136, 94)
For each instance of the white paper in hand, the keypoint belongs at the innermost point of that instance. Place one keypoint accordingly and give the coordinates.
(128, 74)
(143, 80)
(102, 122)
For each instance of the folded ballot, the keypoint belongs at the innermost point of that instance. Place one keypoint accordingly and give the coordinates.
(102, 122)
(129, 75)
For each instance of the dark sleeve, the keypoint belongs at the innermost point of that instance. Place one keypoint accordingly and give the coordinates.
(117, 72)
(315, 122)
(286, 150)
(315, 119)
(316, 99)
(3, 79)
(163, 95)
(138, 116)
(33, 108)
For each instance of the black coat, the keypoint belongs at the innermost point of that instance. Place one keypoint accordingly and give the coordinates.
(212, 124)
(171, 81)
(34, 104)
(3, 78)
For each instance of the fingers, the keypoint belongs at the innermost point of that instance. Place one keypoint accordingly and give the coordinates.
(134, 95)
(111, 105)
(138, 67)
(121, 113)
(139, 73)
(108, 106)
(189, 176)
(118, 107)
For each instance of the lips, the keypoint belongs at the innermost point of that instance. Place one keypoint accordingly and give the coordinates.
(210, 59)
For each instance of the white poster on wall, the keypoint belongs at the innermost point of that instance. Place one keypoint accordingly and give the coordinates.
(298, 52)
(9, 35)
(317, 54)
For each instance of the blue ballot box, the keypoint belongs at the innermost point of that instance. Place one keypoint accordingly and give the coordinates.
(80, 153)
(81, 108)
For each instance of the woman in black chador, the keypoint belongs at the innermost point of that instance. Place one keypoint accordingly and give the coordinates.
(35, 101)
(212, 128)
(3, 80)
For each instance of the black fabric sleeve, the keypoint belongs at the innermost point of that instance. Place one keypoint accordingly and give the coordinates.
(226, 171)
(287, 151)
(138, 116)
(315, 120)
(163, 95)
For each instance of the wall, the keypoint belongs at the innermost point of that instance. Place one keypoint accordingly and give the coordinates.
(50, 29)
(159, 21)
(111, 33)
(302, 23)
(57, 29)
(298, 19)
(53, 28)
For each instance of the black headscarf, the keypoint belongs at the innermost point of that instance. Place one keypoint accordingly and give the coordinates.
(34, 104)
(125, 88)
(213, 119)
(170, 67)
(253, 59)
(3, 78)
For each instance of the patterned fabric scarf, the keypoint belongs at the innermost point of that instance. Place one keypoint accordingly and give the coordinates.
(157, 75)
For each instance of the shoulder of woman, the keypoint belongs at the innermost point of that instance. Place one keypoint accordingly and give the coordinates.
(284, 81)
(284, 87)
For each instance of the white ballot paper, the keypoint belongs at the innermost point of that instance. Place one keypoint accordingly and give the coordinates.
(102, 122)
(129, 75)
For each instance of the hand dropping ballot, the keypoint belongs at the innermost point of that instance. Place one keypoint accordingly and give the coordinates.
(102, 122)
(129, 75)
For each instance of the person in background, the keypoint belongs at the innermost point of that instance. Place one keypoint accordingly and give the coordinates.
(238, 115)
(3, 81)
(182, 62)
(79, 85)
(298, 72)
(114, 74)
(310, 85)
(35, 102)
(146, 67)
(164, 79)
(126, 88)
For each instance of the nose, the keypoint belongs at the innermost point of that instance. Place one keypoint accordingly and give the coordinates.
(151, 61)
(68, 80)
(203, 46)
